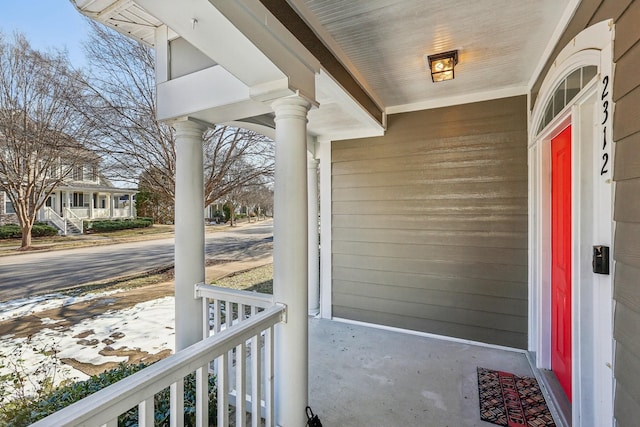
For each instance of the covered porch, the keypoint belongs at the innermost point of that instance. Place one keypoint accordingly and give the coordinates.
(358, 374)
(425, 202)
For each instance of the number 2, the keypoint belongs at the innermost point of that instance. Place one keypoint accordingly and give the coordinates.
(605, 158)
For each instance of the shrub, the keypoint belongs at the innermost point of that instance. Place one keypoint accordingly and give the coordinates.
(42, 230)
(102, 226)
(10, 231)
(13, 231)
(23, 415)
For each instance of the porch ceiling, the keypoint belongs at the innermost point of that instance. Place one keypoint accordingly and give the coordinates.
(383, 42)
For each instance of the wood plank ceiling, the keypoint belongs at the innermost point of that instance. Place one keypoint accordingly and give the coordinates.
(383, 44)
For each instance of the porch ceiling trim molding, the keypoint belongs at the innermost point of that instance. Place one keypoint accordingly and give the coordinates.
(458, 100)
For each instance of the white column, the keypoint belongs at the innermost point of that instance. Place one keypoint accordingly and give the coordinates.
(107, 205)
(189, 231)
(91, 205)
(290, 271)
(67, 203)
(132, 207)
(314, 244)
(323, 152)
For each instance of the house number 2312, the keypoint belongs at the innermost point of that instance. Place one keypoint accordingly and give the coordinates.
(605, 121)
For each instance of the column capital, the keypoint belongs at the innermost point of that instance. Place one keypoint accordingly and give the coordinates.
(189, 127)
(291, 107)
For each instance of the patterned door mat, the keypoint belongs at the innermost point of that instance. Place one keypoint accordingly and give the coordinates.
(512, 401)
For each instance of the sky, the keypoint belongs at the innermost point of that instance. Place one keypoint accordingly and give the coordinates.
(47, 24)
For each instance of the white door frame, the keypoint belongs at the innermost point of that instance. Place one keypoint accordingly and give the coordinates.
(590, 114)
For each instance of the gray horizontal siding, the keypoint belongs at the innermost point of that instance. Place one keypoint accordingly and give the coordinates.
(456, 285)
(626, 133)
(429, 223)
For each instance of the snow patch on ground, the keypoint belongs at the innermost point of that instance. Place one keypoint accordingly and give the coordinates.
(26, 306)
(148, 326)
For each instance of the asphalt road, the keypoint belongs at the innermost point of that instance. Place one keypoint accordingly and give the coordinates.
(43, 272)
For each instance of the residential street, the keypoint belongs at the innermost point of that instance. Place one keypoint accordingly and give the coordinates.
(42, 272)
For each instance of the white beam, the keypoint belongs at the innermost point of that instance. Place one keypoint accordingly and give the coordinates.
(206, 28)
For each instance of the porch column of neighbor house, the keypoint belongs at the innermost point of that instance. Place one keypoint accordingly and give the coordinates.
(91, 205)
(189, 231)
(314, 243)
(132, 211)
(67, 203)
(107, 204)
(290, 261)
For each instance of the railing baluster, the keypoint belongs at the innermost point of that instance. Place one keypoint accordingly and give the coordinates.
(223, 396)
(206, 327)
(241, 312)
(228, 308)
(268, 366)
(146, 413)
(217, 316)
(241, 378)
(202, 396)
(256, 378)
(176, 415)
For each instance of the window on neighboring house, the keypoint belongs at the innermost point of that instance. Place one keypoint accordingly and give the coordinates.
(78, 173)
(94, 173)
(9, 209)
(53, 172)
(78, 200)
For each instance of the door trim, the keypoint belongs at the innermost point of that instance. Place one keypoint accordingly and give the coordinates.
(592, 207)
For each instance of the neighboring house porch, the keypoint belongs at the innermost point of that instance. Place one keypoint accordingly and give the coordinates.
(67, 207)
(85, 195)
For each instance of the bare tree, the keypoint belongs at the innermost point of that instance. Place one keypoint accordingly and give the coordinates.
(122, 111)
(235, 158)
(133, 144)
(41, 133)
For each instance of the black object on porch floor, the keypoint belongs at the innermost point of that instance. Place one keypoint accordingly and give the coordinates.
(509, 400)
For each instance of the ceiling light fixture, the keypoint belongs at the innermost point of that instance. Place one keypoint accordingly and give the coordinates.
(441, 65)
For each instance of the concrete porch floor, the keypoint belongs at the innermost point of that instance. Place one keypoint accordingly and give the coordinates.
(364, 376)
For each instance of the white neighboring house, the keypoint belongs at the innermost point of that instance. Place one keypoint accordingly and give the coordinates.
(85, 195)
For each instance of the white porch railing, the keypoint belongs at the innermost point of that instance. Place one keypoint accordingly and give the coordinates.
(80, 212)
(103, 407)
(50, 215)
(100, 213)
(73, 219)
(225, 309)
(121, 213)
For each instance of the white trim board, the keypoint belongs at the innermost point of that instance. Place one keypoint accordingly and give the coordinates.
(457, 100)
(430, 335)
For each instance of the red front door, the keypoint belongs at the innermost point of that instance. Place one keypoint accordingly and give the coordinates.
(561, 258)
